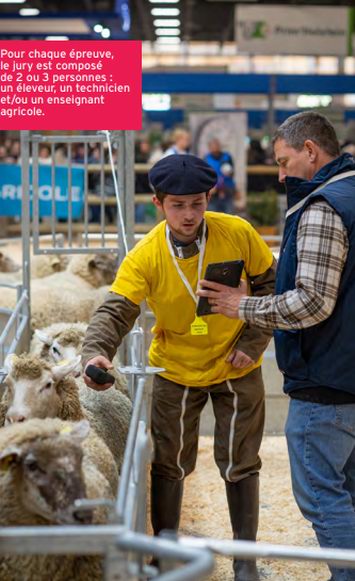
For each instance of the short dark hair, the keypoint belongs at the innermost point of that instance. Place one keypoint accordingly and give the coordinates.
(161, 197)
(308, 125)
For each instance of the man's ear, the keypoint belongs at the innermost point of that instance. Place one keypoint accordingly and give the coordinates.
(157, 203)
(312, 150)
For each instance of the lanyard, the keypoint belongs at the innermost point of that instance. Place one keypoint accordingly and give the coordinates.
(200, 260)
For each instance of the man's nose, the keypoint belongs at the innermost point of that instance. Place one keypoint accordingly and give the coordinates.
(282, 175)
(189, 215)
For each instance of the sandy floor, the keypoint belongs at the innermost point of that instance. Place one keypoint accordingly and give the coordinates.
(205, 512)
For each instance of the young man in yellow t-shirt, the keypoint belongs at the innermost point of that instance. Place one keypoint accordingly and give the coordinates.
(223, 362)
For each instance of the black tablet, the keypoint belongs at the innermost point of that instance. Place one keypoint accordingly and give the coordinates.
(227, 273)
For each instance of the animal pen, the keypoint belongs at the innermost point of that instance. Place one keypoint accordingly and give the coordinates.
(122, 542)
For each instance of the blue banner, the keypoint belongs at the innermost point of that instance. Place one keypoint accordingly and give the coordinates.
(11, 191)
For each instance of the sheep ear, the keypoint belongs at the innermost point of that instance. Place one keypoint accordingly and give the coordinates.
(10, 456)
(9, 362)
(64, 368)
(55, 263)
(55, 260)
(46, 339)
(78, 430)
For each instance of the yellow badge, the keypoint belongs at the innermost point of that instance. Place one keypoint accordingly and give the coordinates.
(199, 327)
(66, 430)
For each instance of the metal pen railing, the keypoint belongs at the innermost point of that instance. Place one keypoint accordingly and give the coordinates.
(15, 327)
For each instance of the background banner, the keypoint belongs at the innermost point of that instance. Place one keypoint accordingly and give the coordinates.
(11, 191)
(303, 30)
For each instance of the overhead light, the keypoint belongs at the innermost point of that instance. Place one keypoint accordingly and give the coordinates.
(98, 28)
(305, 101)
(57, 37)
(156, 101)
(163, 1)
(168, 40)
(167, 22)
(28, 12)
(165, 11)
(12, 1)
(106, 33)
(167, 31)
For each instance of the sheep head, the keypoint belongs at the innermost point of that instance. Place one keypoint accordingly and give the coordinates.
(102, 268)
(65, 345)
(46, 471)
(35, 389)
(7, 264)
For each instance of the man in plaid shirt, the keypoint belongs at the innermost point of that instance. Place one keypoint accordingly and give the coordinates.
(312, 316)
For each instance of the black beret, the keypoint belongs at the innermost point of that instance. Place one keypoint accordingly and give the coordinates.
(181, 175)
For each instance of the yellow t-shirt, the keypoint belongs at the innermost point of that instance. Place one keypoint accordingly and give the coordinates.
(148, 272)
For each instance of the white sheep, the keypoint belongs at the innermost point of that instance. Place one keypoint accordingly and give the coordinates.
(58, 342)
(7, 264)
(64, 341)
(47, 264)
(39, 389)
(41, 265)
(45, 466)
(71, 296)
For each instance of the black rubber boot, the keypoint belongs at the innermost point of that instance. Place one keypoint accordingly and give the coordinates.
(165, 505)
(243, 503)
(166, 498)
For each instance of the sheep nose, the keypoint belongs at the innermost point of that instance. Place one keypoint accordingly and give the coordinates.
(14, 418)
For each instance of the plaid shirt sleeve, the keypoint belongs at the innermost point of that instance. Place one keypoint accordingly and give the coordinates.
(322, 248)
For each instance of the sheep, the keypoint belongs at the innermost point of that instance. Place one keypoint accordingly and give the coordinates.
(7, 264)
(64, 341)
(96, 269)
(41, 266)
(45, 466)
(58, 341)
(36, 388)
(69, 296)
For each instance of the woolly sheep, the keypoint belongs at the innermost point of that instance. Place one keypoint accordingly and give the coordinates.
(41, 266)
(47, 264)
(64, 341)
(39, 389)
(68, 296)
(7, 264)
(45, 465)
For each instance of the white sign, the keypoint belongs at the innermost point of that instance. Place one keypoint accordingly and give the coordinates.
(307, 30)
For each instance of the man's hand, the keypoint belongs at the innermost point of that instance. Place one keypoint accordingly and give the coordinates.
(103, 363)
(239, 359)
(224, 299)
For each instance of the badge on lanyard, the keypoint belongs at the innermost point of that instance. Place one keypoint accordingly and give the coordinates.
(199, 327)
